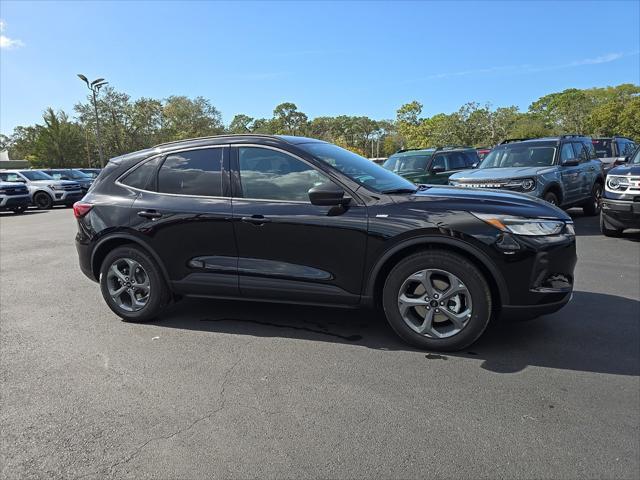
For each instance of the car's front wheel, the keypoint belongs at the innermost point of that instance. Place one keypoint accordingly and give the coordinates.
(132, 284)
(42, 201)
(19, 210)
(593, 205)
(437, 300)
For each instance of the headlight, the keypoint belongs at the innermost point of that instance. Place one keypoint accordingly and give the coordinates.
(522, 225)
(524, 184)
(56, 187)
(616, 183)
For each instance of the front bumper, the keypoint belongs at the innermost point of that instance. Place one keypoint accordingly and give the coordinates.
(67, 197)
(9, 202)
(621, 213)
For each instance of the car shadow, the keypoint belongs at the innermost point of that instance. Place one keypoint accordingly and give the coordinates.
(590, 226)
(9, 213)
(594, 333)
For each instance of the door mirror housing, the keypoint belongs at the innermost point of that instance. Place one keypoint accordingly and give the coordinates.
(328, 195)
(437, 169)
(475, 164)
(571, 163)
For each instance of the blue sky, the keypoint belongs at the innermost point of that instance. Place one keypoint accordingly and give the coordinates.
(330, 58)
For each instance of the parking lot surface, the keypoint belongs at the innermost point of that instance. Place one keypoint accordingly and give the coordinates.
(234, 390)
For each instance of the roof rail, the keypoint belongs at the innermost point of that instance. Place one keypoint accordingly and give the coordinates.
(215, 136)
(571, 135)
(402, 150)
(452, 147)
(512, 140)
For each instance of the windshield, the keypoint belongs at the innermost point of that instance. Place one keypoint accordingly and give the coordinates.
(603, 148)
(78, 175)
(636, 157)
(518, 155)
(358, 168)
(407, 163)
(35, 175)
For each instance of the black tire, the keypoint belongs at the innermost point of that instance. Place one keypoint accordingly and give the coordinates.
(42, 201)
(158, 294)
(593, 205)
(552, 198)
(606, 231)
(19, 210)
(457, 265)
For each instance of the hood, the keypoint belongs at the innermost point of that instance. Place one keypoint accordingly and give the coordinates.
(486, 201)
(633, 169)
(499, 173)
(12, 185)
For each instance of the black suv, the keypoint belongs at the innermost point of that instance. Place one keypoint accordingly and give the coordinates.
(297, 220)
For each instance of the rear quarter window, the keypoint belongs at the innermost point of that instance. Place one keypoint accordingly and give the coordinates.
(140, 177)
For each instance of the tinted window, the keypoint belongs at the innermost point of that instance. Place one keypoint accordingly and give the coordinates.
(590, 150)
(472, 158)
(603, 148)
(141, 176)
(520, 155)
(457, 161)
(273, 175)
(439, 161)
(35, 175)
(567, 153)
(581, 153)
(625, 148)
(407, 163)
(10, 177)
(194, 172)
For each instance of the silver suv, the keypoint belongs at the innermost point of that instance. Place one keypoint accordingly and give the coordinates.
(44, 190)
(14, 196)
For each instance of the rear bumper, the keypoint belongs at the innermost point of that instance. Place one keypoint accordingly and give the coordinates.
(621, 213)
(84, 259)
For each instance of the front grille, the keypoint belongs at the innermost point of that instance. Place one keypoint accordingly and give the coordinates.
(69, 188)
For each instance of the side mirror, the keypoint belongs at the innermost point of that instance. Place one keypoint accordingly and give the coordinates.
(437, 169)
(571, 163)
(475, 164)
(622, 160)
(328, 195)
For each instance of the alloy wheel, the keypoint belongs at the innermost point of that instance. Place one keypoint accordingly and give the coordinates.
(435, 303)
(128, 284)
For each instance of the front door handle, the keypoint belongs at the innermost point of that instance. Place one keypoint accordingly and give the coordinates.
(256, 219)
(150, 214)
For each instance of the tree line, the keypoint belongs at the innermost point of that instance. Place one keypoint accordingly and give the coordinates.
(128, 125)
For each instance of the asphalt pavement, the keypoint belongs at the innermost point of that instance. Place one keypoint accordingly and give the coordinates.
(246, 390)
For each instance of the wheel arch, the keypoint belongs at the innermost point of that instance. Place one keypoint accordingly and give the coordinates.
(555, 188)
(380, 271)
(107, 244)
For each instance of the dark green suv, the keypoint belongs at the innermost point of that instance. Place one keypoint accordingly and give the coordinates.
(432, 165)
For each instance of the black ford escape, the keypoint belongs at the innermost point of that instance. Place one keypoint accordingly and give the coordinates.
(292, 219)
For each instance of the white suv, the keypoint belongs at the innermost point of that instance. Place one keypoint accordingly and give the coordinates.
(45, 191)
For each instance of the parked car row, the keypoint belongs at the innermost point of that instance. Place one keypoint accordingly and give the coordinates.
(42, 188)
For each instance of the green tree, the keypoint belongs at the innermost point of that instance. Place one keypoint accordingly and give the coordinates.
(58, 142)
(241, 124)
(183, 117)
(288, 120)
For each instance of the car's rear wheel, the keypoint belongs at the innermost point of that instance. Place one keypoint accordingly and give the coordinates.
(593, 205)
(551, 198)
(42, 201)
(437, 300)
(606, 231)
(132, 284)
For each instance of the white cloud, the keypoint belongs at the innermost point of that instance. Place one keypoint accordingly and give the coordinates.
(527, 68)
(6, 42)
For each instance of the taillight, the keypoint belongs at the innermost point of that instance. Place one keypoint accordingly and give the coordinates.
(80, 209)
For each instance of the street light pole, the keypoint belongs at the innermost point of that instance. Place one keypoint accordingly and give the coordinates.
(95, 88)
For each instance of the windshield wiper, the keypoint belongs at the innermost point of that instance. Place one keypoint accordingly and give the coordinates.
(400, 190)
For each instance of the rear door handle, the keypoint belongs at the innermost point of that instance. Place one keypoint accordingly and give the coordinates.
(256, 219)
(150, 214)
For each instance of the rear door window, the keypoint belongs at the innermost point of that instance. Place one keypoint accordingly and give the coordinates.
(567, 153)
(192, 172)
(581, 152)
